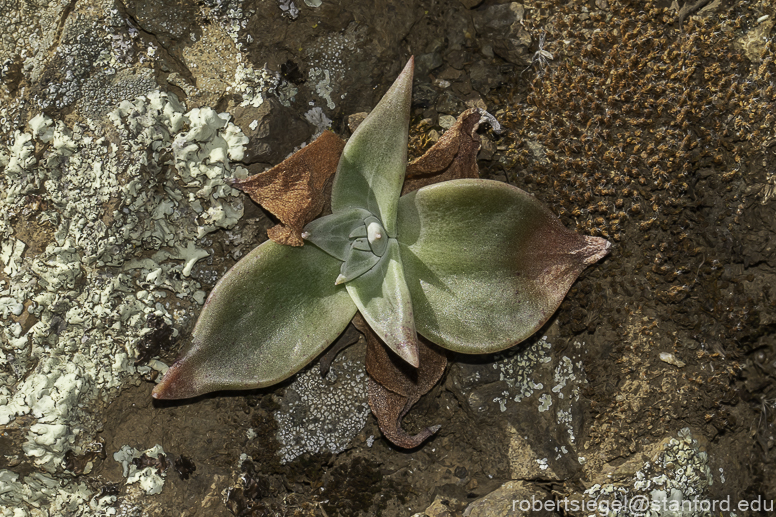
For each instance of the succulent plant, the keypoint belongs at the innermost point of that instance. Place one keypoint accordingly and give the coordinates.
(473, 265)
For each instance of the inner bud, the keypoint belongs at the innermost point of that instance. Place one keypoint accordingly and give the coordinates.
(375, 234)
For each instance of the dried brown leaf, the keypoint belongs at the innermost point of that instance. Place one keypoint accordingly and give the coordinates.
(454, 156)
(294, 190)
(390, 408)
(395, 386)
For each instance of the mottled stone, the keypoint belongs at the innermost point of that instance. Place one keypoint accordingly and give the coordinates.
(499, 26)
(273, 131)
(506, 502)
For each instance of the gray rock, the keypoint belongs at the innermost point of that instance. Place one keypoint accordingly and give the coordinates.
(499, 26)
(483, 78)
(535, 398)
(506, 500)
(426, 63)
(450, 103)
(424, 95)
(355, 120)
(273, 131)
(471, 4)
(458, 58)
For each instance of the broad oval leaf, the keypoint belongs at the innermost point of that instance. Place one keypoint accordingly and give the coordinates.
(486, 263)
(371, 170)
(269, 316)
(383, 299)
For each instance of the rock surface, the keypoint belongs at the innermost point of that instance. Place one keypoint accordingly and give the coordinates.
(122, 122)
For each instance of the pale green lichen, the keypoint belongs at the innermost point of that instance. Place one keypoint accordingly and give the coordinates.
(516, 369)
(27, 30)
(520, 371)
(121, 224)
(545, 401)
(149, 479)
(254, 84)
(11, 255)
(328, 59)
(679, 473)
(321, 78)
(40, 495)
(318, 118)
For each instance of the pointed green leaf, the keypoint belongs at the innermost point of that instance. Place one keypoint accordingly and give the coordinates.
(362, 244)
(269, 316)
(371, 170)
(331, 233)
(358, 232)
(486, 263)
(382, 296)
(358, 262)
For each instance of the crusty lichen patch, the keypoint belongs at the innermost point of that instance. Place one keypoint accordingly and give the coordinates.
(150, 479)
(679, 472)
(130, 215)
(517, 371)
(320, 414)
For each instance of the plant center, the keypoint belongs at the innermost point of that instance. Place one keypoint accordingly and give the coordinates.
(375, 234)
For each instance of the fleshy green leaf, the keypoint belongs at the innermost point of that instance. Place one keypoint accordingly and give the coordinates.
(383, 299)
(362, 244)
(358, 232)
(358, 262)
(269, 316)
(331, 233)
(486, 263)
(371, 170)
